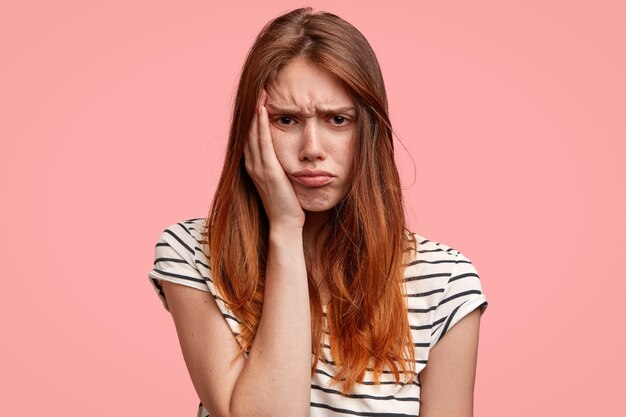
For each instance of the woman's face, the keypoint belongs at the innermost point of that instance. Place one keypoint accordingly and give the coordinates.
(313, 123)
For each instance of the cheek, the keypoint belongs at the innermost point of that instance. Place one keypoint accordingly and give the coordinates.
(344, 155)
(281, 148)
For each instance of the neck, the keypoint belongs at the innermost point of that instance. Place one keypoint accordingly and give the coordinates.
(312, 224)
(314, 220)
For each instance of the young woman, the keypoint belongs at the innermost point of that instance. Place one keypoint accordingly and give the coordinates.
(315, 299)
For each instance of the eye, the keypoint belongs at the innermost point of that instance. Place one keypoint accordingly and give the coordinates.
(340, 120)
(284, 120)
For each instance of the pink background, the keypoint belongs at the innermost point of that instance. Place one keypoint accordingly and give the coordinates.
(113, 120)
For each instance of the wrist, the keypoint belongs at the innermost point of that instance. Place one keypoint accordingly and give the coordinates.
(279, 232)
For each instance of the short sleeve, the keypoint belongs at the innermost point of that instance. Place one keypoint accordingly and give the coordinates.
(462, 294)
(175, 260)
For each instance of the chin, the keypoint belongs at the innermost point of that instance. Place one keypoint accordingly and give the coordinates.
(319, 201)
(317, 206)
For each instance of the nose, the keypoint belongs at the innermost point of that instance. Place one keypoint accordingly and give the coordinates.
(310, 144)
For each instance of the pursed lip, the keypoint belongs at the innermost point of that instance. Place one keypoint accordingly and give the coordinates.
(312, 173)
(313, 177)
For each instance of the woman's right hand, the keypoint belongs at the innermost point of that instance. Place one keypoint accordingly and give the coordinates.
(279, 198)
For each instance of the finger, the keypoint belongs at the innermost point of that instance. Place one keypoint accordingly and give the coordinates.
(265, 136)
(253, 142)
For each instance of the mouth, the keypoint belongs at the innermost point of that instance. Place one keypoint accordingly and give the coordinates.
(313, 178)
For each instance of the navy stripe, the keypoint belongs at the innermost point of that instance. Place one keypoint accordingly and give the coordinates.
(171, 274)
(439, 261)
(401, 383)
(450, 317)
(423, 327)
(203, 264)
(421, 310)
(189, 233)
(360, 413)
(180, 261)
(184, 227)
(461, 294)
(400, 371)
(468, 274)
(427, 276)
(372, 397)
(179, 240)
(194, 220)
(228, 316)
(430, 250)
(427, 326)
(425, 294)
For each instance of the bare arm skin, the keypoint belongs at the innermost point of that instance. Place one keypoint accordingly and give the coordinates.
(447, 381)
(275, 379)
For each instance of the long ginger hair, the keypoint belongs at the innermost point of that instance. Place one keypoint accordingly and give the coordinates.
(364, 245)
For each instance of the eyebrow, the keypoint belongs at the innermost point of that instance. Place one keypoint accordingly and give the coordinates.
(323, 110)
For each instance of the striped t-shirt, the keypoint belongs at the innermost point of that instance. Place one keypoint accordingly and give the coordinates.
(442, 287)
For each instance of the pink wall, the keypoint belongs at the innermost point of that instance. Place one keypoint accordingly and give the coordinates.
(113, 119)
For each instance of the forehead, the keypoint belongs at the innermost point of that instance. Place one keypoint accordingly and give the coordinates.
(305, 86)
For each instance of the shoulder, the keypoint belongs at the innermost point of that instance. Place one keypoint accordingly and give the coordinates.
(431, 259)
(187, 237)
(434, 268)
(179, 258)
(188, 228)
(442, 286)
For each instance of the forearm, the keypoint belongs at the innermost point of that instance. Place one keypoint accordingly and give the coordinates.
(276, 378)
